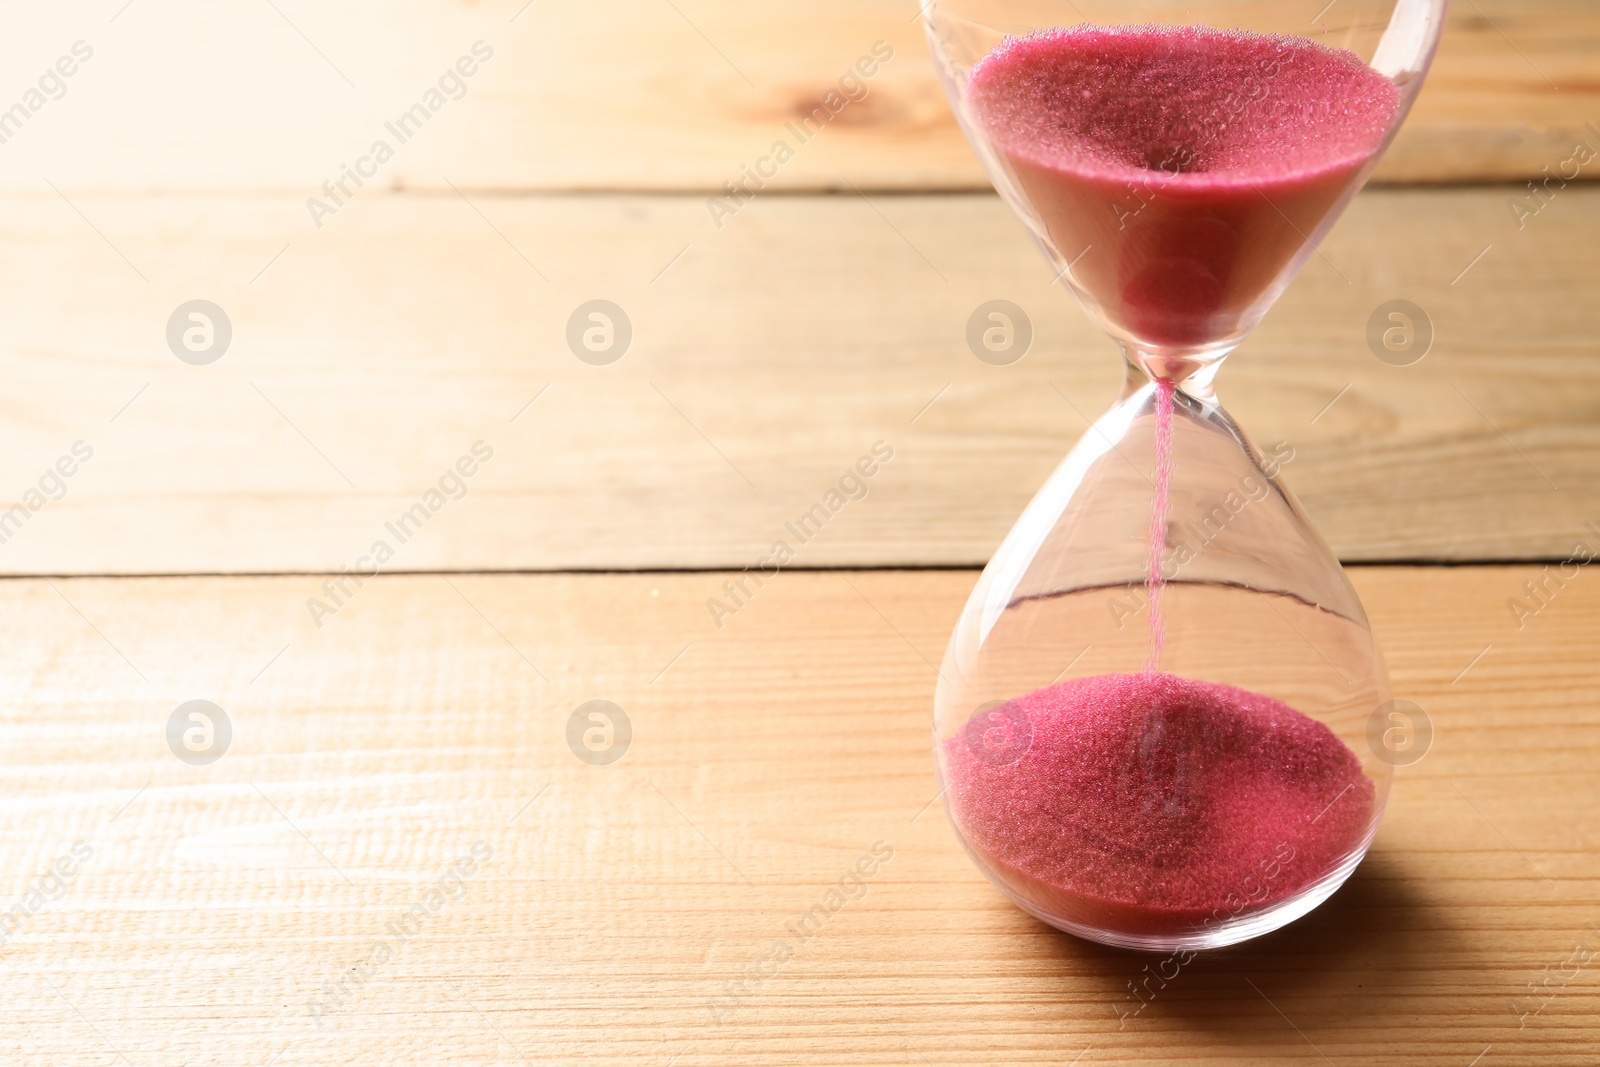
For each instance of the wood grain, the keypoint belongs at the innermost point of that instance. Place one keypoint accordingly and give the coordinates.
(228, 912)
(428, 714)
(767, 358)
(202, 95)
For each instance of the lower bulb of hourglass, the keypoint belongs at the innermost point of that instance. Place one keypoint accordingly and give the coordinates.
(1167, 764)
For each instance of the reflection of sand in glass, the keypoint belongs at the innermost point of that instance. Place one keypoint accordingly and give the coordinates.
(1151, 720)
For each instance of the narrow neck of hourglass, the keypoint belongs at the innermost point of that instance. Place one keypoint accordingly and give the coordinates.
(1193, 372)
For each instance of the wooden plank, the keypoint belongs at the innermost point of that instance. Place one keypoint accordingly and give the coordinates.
(196, 94)
(224, 905)
(767, 358)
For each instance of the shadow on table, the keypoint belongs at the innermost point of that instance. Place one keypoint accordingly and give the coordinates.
(1351, 957)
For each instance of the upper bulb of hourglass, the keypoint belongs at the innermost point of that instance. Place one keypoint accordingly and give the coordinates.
(1153, 720)
(1176, 172)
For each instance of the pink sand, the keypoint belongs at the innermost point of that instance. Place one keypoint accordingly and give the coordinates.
(1148, 803)
(1191, 163)
(1160, 507)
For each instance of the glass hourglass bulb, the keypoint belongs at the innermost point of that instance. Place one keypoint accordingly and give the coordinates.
(1150, 725)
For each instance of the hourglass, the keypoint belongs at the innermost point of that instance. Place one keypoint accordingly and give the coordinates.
(1151, 722)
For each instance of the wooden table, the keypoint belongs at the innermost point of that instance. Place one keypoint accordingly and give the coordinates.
(396, 856)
